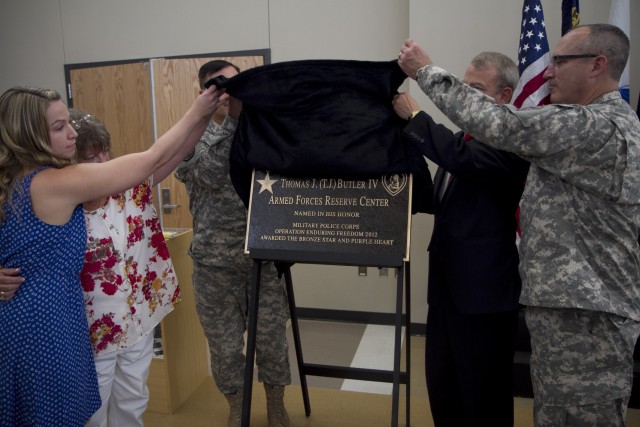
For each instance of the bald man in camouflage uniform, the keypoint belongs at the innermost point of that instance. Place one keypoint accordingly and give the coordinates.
(222, 272)
(579, 260)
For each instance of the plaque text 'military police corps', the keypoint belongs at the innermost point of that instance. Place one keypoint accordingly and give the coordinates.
(330, 220)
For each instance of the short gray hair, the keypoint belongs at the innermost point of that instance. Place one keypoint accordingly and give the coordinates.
(508, 75)
(610, 41)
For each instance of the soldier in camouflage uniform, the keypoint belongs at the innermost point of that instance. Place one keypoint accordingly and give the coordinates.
(580, 259)
(222, 272)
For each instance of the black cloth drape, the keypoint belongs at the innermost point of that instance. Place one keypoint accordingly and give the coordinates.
(322, 118)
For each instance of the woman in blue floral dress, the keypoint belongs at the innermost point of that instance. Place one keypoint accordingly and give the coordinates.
(47, 375)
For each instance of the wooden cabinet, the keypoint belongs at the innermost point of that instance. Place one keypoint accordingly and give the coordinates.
(185, 363)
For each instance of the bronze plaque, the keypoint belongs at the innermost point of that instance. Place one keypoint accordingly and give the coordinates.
(330, 220)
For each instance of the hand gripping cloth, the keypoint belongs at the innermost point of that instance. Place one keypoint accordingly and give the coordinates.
(316, 118)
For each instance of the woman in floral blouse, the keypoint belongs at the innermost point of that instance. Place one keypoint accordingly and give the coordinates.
(128, 281)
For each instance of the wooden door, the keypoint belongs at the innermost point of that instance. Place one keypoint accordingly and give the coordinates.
(120, 95)
(175, 83)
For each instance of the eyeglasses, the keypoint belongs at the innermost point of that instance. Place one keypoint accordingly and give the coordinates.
(78, 123)
(559, 59)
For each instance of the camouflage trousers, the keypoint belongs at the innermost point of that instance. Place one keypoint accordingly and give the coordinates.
(581, 366)
(221, 295)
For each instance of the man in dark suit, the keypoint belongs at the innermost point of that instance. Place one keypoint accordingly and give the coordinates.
(474, 284)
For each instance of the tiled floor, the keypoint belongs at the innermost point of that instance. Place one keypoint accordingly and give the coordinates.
(353, 345)
(336, 402)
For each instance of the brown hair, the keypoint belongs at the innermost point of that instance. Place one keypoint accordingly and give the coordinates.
(93, 135)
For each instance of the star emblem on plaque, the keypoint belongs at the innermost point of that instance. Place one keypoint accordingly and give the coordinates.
(266, 184)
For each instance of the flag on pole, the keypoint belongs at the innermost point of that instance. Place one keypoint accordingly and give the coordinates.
(570, 15)
(533, 57)
(619, 16)
(533, 60)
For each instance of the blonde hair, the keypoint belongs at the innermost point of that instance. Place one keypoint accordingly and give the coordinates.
(24, 136)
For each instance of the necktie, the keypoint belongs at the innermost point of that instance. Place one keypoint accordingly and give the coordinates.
(447, 182)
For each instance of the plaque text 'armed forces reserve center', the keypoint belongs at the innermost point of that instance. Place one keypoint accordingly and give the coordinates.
(330, 220)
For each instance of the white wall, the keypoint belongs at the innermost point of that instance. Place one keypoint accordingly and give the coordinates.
(37, 37)
(31, 44)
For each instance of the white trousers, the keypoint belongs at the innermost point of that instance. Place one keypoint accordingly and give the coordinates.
(122, 377)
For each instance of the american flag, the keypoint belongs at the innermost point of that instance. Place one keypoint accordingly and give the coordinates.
(533, 58)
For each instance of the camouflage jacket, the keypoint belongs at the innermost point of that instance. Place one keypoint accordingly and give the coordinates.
(219, 216)
(580, 213)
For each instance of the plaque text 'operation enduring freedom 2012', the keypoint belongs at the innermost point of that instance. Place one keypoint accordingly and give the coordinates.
(330, 220)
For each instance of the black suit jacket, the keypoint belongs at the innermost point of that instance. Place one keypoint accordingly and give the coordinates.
(473, 258)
